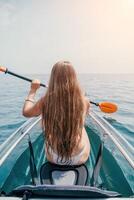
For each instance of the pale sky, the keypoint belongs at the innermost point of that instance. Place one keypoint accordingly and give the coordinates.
(97, 36)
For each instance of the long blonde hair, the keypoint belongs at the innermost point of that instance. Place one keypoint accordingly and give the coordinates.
(63, 110)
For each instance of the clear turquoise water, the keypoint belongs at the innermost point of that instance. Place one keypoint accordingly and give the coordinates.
(115, 88)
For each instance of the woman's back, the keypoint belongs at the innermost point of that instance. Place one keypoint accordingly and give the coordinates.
(63, 110)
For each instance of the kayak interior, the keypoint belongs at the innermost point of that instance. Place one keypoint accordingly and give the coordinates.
(15, 154)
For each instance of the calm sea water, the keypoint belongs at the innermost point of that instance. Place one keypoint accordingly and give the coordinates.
(117, 88)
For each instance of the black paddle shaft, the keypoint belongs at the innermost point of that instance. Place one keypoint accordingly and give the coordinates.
(97, 104)
(21, 77)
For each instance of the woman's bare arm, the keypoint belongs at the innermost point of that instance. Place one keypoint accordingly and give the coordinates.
(30, 108)
(87, 105)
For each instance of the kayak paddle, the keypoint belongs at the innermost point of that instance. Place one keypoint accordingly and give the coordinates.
(4, 69)
(105, 107)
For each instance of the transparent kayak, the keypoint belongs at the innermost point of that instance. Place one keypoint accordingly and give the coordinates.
(117, 168)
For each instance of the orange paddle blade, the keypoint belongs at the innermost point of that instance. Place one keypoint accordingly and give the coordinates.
(108, 107)
(3, 69)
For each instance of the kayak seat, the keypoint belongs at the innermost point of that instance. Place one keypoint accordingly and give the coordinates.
(54, 174)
